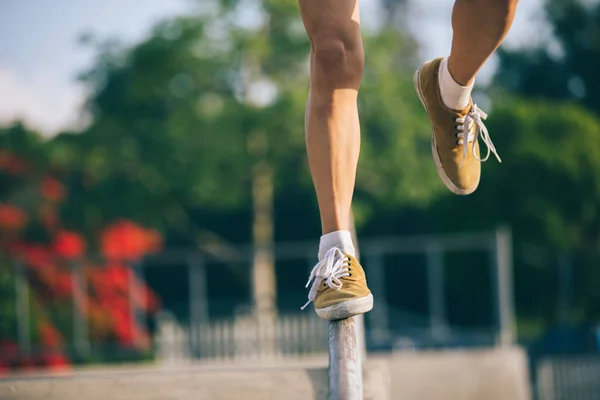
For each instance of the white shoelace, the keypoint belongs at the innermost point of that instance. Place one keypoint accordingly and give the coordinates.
(330, 269)
(474, 121)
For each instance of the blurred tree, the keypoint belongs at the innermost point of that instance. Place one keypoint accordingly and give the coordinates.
(171, 117)
(566, 65)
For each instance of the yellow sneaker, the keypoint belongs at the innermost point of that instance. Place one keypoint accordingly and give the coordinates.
(455, 133)
(339, 289)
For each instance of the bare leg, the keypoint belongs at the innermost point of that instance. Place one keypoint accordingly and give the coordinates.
(479, 28)
(332, 126)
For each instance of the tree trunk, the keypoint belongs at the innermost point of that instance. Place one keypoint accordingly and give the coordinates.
(263, 267)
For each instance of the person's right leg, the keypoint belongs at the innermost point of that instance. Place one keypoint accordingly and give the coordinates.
(479, 26)
(444, 87)
(333, 145)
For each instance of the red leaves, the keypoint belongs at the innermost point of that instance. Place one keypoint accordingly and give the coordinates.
(125, 240)
(68, 245)
(52, 189)
(147, 300)
(114, 293)
(62, 285)
(48, 217)
(3, 369)
(36, 256)
(117, 277)
(12, 164)
(11, 217)
(54, 361)
(49, 335)
(99, 320)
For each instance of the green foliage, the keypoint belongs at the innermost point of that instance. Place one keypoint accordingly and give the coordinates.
(566, 66)
(395, 129)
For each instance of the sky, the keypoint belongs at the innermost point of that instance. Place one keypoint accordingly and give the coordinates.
(40, 56)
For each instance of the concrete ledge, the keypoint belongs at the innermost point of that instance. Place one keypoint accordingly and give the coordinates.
(499, 374)
(266, 383)
(496, 374)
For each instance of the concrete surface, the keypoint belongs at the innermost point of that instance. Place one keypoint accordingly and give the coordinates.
(459, 375)
(304, 382)
(500, 374)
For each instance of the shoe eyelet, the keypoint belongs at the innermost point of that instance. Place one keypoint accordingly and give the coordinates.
(349, 275)
(349, 269)
(325, 284)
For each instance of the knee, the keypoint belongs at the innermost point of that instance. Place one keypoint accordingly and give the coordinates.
(338, 61)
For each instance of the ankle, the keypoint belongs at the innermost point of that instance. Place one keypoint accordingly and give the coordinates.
(340, 239)
(454, 95)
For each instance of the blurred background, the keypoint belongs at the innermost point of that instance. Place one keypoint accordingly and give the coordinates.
(156, 206)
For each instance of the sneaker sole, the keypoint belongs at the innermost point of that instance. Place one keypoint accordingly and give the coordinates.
(436, 158)
(346, 309)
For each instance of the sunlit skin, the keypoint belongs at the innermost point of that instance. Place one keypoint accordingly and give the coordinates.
(336, 67)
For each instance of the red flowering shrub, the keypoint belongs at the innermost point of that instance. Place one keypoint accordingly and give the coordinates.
(111, 287)
(55, 361)
(48, 217)
(3, 369)
(68, 245)
(11, 164)
(126, 241)
(52, 189)
(11, 218)
(49, 335)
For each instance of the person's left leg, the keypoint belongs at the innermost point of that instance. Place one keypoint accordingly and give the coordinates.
(444, 86)
(339, 289)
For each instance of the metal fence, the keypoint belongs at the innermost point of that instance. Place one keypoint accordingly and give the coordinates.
(200, 335)
(240, 339)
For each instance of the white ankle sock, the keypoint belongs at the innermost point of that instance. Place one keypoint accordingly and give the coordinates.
(454, 96)
(340, 239)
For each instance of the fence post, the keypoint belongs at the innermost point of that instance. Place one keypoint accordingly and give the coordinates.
(345, 366)
(22, 308)
(136, 282)
(504, 286)
(197, 301)
(80, 310)
(379, 332)
(435, 278)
